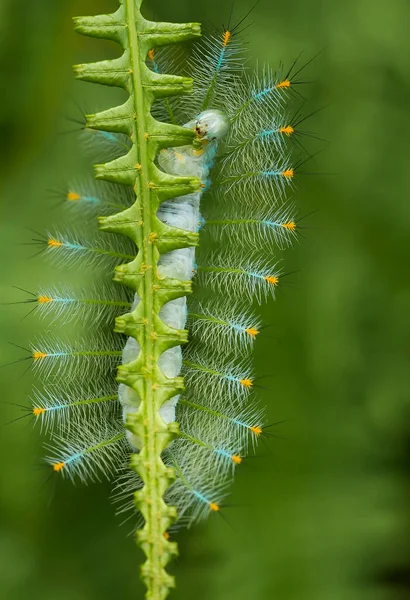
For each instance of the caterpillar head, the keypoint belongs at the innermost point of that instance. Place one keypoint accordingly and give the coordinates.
(211, 125)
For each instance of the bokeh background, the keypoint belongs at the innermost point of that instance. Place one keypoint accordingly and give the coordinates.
(322, 513)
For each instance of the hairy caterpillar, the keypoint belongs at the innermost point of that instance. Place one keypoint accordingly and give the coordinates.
(169, 425)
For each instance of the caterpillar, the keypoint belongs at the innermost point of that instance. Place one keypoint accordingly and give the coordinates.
(189, 209)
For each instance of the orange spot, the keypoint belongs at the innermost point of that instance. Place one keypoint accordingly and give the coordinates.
(153, 236)
(256, 430)
(291, 225)
(44, 299)
(288, 130)
(252, 332)
(214, 506)
(166, 535)
(151, 54)
(54, 243)
(39, 355)
(236, 459)
(73, 196)
(246, 382)
(283, 84)
(288, 173)
(226, 38)
(272, 279)
(58, 466)
(38, 411)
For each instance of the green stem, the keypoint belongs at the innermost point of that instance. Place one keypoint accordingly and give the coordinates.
(152, 447)
(137, 169)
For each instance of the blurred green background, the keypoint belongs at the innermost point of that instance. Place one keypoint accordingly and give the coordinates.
(322, 514)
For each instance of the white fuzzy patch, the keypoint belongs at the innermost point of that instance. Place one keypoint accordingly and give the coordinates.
(183, 213)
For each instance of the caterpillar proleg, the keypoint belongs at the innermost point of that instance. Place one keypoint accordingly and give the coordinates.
(193, 208)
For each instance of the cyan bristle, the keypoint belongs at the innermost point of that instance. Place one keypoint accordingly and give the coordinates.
(223, 326)
(96, 198)
(72, 249)
(56, 407)
(255, 278)
(54, 357)
(103, 146)
(248, 421)
(205, 374)
(278, 226)
(64, 304)
(89, 455)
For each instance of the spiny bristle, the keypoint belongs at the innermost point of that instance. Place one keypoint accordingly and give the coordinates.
(89, 455)
(218, 450)
(102, 302)
(52, 356)
(260, 135)
(260, 180)
(70, 250)
(277, 226)
(194, 495)
(215, 62)
(266, 93)
(247, 420)
(57, 407)
(256, 278)
(104, 146)
(223, 325)
(95, 197)
(208, 375)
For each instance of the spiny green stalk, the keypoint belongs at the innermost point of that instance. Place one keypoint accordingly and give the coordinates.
(153, 238)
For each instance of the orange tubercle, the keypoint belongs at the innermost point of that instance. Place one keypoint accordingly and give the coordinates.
(288, 173)
(37, 411)
(54, 243)
(272, 279)
(73, 196)
(44, 299)
(57, 467)
(226, 38)
(246, 382)
(151, 54)
(37, 355)
(256, 430)
(283, 84)
(236, 459)
(214, 507)
(166, 535)
(288, 130)
(291, 225)
(252, 332)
